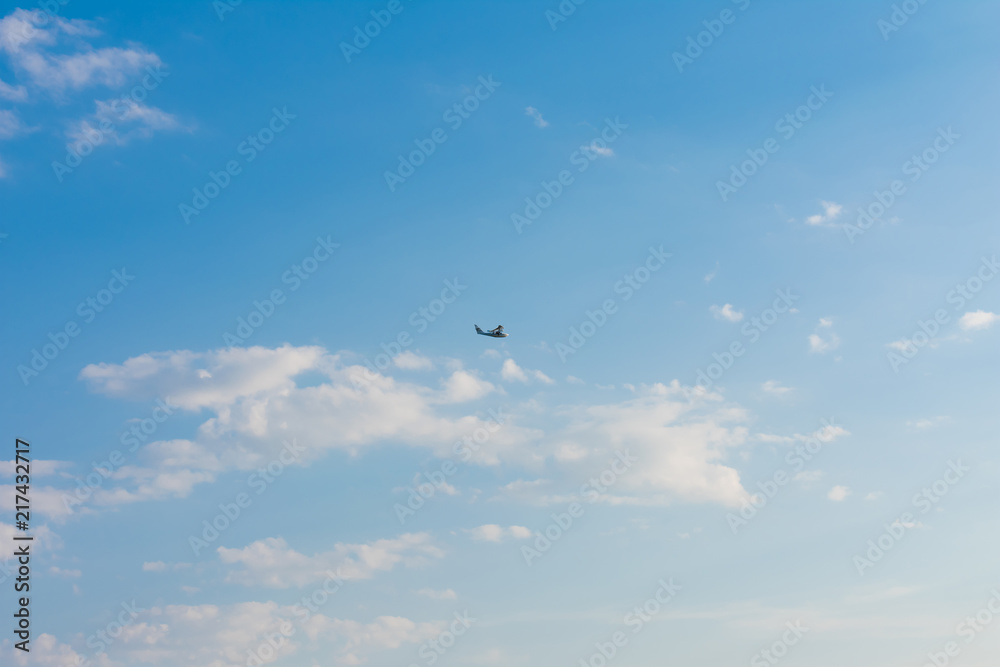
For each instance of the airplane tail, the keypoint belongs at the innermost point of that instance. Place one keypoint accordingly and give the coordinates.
(478, 330)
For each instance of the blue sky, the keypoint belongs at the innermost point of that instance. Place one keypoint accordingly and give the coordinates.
(213, 178)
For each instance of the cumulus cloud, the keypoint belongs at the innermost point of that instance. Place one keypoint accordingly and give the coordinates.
(47, 651)
(39, 468)
(385, 632)
(511, 372)
(464, 386)
(838, 493)
(411, 361)
(831, 211)
(222, 636)
(494, 533)
(682, 438)
(824, 339)
(272, 563)
(978, 320)
(727, 313)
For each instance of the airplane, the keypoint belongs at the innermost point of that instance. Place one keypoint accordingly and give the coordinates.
(493, 333)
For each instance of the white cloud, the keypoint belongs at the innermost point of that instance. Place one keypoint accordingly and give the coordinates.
(272, 563)
(36, 43)
(11, 125)
(922, 424)
(727, 313)
(385, 632)
(902, 345)
(494, 533)
(219, 636)
(838, 493)
(59, 572)
(537, 116)
(597, 149)
(160, 566)
(874, 495)
(775, 387)
(45, 500)
(511, 372)
(446, 594)
(807, 477)
(411, 361)
(711, 276)
(121, 121)
(572, 379)
(464, 386)
(681, 438)
(830, 213)
(13, 93)
(819, 344)
(978, 320)
(39, 468)
(46, 651)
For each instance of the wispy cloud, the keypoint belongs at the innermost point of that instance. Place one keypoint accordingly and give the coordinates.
(711, 276)
(494, 533)
(511, 372)
(774, 387)
(597, 149)
(537, 116)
